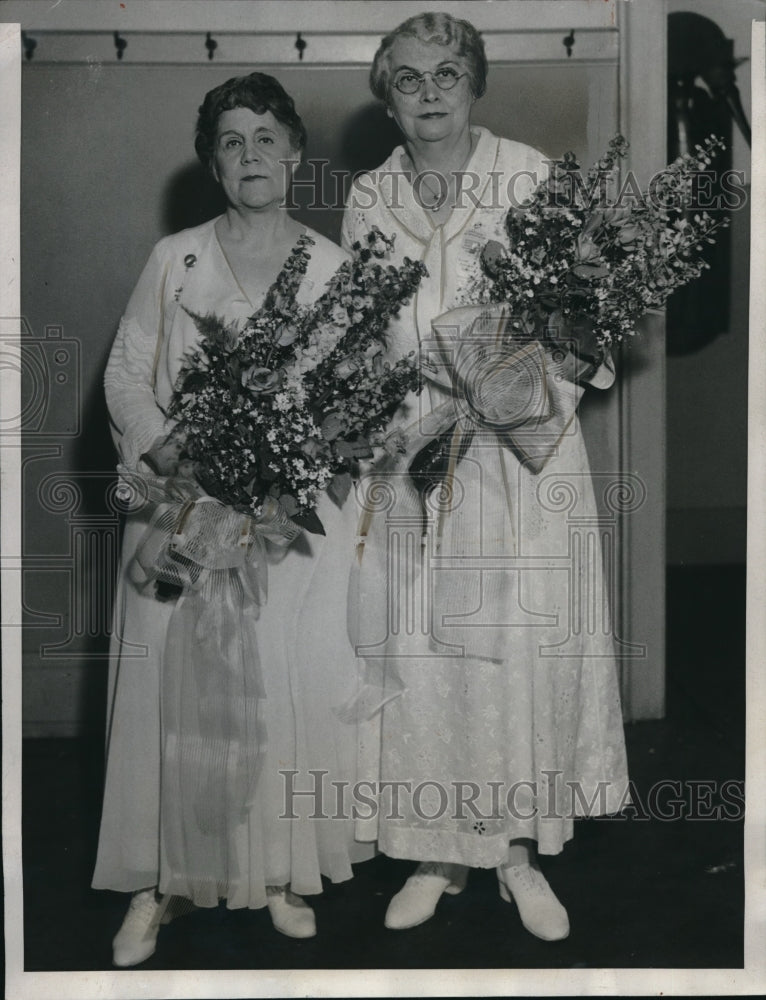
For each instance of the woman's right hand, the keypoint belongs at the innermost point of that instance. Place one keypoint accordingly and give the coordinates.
(576, 335)
(163, 456)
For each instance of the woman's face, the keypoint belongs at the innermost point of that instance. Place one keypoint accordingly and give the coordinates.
(248, 159)
(430, 114)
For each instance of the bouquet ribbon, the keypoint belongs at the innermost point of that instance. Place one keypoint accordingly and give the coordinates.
(500, 384)
(212, 693)
(505, 393)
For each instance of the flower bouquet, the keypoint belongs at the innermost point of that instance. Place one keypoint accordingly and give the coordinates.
(585, 263)
(269, 415)
(580, 267)
(284, 408)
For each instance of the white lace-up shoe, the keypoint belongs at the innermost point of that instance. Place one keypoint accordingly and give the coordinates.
(136, 940)
(541, 913)
(290, 914)
(416, 900)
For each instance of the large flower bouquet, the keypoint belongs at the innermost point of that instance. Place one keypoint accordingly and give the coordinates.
(583, 262)
(583, 257)
(283, 408)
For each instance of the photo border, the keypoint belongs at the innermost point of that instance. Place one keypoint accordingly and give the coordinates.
(452, 982)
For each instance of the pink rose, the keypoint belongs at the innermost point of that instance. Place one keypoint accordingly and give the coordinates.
(261, 380)
(491, 256)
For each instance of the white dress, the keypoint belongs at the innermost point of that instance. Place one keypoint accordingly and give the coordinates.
(527, 716)
(306, 660)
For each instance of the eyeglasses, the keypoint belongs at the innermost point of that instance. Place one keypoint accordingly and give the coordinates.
(409, 82)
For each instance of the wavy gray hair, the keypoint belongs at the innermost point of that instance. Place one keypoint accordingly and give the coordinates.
(443, 29)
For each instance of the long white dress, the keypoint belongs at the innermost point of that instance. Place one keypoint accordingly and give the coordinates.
(528, 707)
(306, 661)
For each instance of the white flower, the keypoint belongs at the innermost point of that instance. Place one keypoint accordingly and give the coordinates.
(283, 402)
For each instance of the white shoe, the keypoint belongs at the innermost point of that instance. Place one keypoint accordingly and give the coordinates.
(541, 913)
(416, 900)
(290, 914)
(136, 939)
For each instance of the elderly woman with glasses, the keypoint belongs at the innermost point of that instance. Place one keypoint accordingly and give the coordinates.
(497, 741)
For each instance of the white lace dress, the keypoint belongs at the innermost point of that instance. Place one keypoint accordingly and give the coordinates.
(306, 661)
(523, 731)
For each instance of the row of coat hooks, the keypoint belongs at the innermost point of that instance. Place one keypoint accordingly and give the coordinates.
(120, 44)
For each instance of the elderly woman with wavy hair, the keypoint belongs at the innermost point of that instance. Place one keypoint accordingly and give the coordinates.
(249, 136)
(511, 701)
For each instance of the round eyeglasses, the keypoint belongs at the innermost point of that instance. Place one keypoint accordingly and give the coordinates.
(409, 82)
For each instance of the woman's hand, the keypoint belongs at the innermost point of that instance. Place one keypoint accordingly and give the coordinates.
(576, 334)
(164, 455)
(581, 353)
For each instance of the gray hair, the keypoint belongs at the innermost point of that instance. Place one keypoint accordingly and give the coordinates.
(443, 29)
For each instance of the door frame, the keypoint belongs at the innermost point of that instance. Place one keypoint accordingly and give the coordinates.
(641, 389)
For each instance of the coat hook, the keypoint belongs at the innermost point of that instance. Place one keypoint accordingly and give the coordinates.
(29, 43)
(569, 41)
(300, 45)
(120, 44)
(211, 45)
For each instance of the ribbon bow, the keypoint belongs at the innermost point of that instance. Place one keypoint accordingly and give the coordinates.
(502, 385)
(213, 733)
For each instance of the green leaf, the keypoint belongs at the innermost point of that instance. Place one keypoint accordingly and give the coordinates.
(339, 488)
(590, 271)
(309, 522)
(332, 425)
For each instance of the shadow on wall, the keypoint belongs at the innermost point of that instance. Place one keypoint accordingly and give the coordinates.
(368, 138)
(362, 143)
(95, 453)
(191, 197)
(94, 450)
